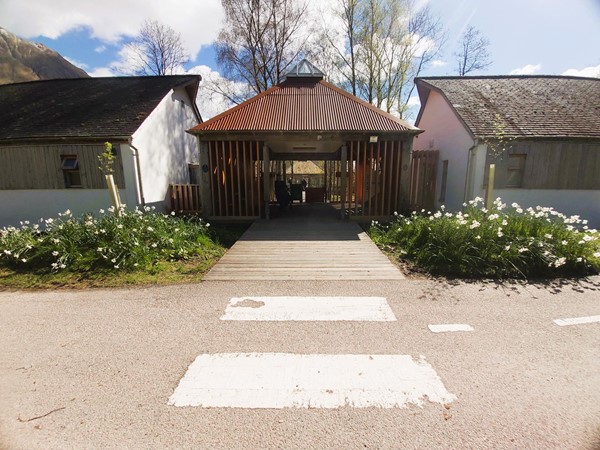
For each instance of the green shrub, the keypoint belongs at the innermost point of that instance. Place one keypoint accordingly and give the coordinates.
(499, 243)
(130, 240)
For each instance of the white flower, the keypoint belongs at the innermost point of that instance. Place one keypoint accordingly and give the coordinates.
(114, 260)
(597, 255)
(523, 249)
(49, 220)
(24, 260)
(395, 213)
(477, 237)
(548, 236)
(564, 242)
(154, 245)
(208, 225)
(7, 252)
(507, 248)
(515, 205)
(493, 216)
(111, 209)
(504, 222)
(474, 225)
(560, 261)
(500, 233)
(135, 264)
(519, 210)
(62, 266)
(67, 212)
(101, 211)
(587, 238)
(579, 259)
(54, 253)
(172, 213)
(100, 249)
(116, 266)
(170, 241)
(150, 229)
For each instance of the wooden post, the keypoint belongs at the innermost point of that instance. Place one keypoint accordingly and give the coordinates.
(205, 178)
(489, 197)
(113, 192)
(405, 149)
(267, 180)
(344, 175)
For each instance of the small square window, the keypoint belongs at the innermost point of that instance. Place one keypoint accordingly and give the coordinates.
(69, 163)
(70, 169)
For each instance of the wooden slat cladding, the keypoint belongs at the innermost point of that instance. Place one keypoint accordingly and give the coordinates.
(552, 165)
(185, 197)
(39, 166)
(422, 179)
(235, 178)
(373, 183)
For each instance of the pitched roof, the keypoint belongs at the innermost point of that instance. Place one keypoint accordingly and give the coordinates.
(528, 106)
(83, 107)
(300, 104)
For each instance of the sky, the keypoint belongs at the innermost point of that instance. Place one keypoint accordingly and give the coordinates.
(552, 37)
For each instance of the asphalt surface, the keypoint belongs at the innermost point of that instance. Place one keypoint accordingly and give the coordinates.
(103, 364)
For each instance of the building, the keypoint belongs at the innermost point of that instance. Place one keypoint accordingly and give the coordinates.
(51, 133)
(550, 126)
(365, 150)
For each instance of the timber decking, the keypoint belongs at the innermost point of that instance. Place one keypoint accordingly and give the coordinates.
(304, 249)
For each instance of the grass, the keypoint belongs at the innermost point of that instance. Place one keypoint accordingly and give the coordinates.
(504, 242)
(111, 250)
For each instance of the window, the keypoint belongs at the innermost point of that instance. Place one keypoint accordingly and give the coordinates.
(70, 168)
(515, 170)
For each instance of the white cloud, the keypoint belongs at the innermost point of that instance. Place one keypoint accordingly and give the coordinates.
(101, 72)
(438, 63)
(100, 49)
(110, 20)
(76, 63)
(211, 103)
(592, 72)
(529, 69)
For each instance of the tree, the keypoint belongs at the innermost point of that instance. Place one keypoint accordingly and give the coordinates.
(473, 54)
(258, 42)
(156, 50)
(380, 47)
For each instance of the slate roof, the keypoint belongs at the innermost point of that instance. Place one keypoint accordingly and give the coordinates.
(529, 106)
(83, 107)
(300, 105)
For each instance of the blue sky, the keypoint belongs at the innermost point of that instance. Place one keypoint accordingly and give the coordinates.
(528, 36)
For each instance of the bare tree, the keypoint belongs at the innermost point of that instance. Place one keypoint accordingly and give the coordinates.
(156, 50)
(258, 42)
(380, 47)
(473, 54)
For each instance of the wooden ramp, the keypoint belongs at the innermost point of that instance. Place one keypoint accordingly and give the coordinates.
(311, 249)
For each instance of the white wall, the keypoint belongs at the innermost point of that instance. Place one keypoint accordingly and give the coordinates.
(571, 202)
(165, 149)
(445, 132)
(33, 204)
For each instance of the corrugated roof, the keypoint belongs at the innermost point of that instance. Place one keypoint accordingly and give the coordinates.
(83, 107)
(304, 105)
(529, 106)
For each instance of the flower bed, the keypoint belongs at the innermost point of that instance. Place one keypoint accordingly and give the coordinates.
(129, 240)
(504, 242)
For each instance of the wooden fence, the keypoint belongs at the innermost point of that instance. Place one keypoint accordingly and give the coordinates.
(423, 173)
(185, 198)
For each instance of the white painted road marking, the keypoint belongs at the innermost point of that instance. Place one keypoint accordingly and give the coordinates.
(577, 320)
(450, 327)
(375, 309)
(286, 380)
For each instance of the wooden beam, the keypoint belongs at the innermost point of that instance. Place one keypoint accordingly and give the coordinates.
(344, 170)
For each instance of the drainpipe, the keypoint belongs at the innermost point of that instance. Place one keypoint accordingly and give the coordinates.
(136, 160)
(469, 171)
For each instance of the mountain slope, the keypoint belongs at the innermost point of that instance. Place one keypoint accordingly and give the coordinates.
(21, 60)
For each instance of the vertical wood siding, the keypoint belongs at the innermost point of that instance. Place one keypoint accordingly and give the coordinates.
(235, 169)
(552, 165)
(38, 166)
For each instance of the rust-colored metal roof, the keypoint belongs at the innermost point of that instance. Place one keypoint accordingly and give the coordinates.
(304, 105)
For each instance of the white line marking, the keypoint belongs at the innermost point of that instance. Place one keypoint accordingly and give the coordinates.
(285, 380)
(577, 320)
(373, 309)
(450, 327)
